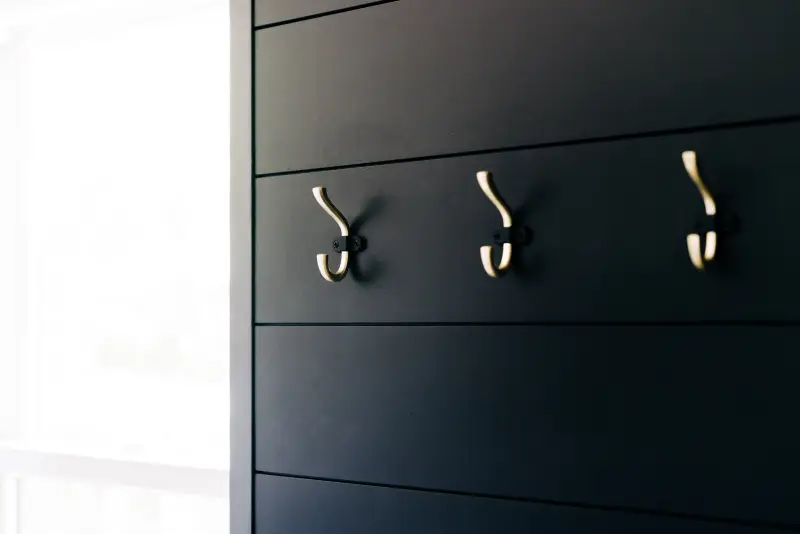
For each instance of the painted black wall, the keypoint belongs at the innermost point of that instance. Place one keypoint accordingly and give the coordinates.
(604, 384)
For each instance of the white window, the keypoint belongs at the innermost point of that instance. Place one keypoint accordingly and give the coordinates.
(114, 280)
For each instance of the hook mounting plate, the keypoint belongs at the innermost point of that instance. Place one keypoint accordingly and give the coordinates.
(722, 223)
(516, 235)
(349, 243)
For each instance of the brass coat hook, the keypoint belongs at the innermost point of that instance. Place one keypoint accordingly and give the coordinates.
(507, 236)
(343, 245)
(693, 240)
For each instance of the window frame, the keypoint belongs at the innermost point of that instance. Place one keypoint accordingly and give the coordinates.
(18, 462)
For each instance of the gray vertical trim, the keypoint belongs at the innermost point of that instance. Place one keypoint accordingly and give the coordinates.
(241, 276)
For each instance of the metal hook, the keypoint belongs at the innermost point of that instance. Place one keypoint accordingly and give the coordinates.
(693, 239)
(322, 259)
(485, 182)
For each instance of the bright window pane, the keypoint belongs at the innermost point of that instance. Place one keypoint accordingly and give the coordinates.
(114, 210)
(54, 506)
(11, 257)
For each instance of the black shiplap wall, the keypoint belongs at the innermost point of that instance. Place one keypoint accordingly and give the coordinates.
(310, 394)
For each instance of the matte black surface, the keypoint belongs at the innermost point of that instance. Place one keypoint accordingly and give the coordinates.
(609, 225)
(314, 507)
(694, 420)
(422, 77)
(270, 11)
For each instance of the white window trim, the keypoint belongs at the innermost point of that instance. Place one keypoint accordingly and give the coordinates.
(20, 463)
